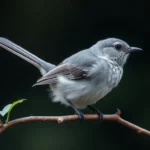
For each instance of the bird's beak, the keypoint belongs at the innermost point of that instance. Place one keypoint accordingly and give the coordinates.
(133, 49)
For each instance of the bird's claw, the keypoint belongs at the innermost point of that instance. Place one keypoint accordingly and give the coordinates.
(80, 114)
(96, 111)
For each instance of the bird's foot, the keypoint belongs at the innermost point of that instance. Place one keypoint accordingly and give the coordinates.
(96, 111)
(77, 111)
(80, 114)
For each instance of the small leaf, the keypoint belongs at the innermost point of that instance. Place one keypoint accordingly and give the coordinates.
(12, 106)
(5, 110)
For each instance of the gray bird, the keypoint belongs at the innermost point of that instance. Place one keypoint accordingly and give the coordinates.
(83, 78)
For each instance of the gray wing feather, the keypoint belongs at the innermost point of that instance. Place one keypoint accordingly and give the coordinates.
(76, 67)
(70, 71)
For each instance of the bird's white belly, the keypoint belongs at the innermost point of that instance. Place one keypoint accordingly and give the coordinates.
(91, 98)
(79, 93)
(85, 93)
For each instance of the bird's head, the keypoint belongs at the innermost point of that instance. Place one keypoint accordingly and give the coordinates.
(114, 49)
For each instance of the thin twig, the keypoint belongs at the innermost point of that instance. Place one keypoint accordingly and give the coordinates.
(60, 119)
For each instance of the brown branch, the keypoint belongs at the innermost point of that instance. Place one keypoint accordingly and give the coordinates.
(60, 119)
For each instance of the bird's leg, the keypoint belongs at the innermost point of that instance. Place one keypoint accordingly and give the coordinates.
(77, 111)
(96, 111)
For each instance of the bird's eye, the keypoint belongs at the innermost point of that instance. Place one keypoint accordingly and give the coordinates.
(118, 46)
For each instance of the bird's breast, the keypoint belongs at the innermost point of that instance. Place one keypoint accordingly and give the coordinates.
(114, 75)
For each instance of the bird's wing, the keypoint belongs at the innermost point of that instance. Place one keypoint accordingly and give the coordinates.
(70, 71)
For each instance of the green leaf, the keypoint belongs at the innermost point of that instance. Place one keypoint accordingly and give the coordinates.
(12, 106)
(5, 110)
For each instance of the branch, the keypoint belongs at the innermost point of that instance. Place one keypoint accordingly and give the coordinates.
(60, 119)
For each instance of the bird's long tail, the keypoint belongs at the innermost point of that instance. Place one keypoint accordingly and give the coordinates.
(42, 65)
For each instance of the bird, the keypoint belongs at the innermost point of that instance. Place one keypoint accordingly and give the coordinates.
(84, 78)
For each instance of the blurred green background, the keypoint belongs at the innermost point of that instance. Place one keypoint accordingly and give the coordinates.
(55, 30)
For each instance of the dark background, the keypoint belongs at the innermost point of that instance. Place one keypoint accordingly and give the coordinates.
(54, 30)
